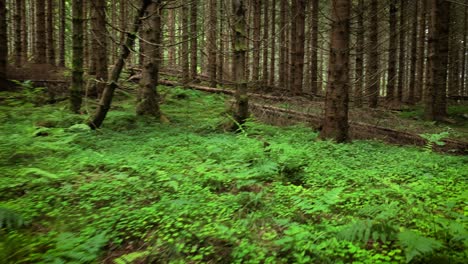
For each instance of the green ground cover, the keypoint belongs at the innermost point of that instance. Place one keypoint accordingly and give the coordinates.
(138, 191)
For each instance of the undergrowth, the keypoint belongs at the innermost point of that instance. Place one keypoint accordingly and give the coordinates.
(188, 192)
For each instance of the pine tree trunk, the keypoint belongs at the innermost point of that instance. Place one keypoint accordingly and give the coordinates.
(3, 45)
(77, 57)
(373, 83)
(335, 124)
(257, 15)
(221, 51)
(194, 40)
(100, 48)
(148, 98)
(106, 98)
(211, 42)
(464, 81)
(297, 46)
(61, 62)
(18, 23)
(40, 50)
(435, 98)
(454, 66)
(283, 69)
(421, 51)
(359, 71)
(266, 36)
(240, 48)
(392, 51)
(185, 44)
(314, 48)
(414, 48)
(402, 52)
(271, 81)
(50, 32)
(172, 41)
(24, 32)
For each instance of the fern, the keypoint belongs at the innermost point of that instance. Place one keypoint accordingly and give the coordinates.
(364, 230)
(433, 140)
(417, 245)
(9, 219)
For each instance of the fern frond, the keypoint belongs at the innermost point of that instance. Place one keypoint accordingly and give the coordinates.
(9, 219)
(416, 245)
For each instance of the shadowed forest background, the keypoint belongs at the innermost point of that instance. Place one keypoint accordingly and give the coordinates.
(233, 131)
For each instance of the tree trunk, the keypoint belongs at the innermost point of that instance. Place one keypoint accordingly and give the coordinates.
(211, 42)
(335, 124)
(421, 51)
(373, 83)
(106, 98)
(271, 81)
(185, 44)
(77, 59)
(392, 51)
(402, 52)
(454, 66)
(61, 62)
(24, 32)
(172, 41)
(148, 98)
(241, 112)
(257, 15)
(297, 46)
(100, 48)
(359, 71)
(414, 43)
(50, 32)
(266, 36)
(40, 50)
(314, 48)
(435, 101)
(221, 51)
(194, 40)
(464, 81)
(18, 24)
(3, 44)
(283, 61)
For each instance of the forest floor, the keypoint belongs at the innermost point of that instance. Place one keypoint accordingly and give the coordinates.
(139, 191)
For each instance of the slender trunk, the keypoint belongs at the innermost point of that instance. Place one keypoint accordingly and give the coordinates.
(435, 101)
(421, 51)
(77, 59)
(392, 50)
(185, 44)
(373, 83)
(266, 27)
(314, 48)
(335, 124)
(194, 40)
(148, 98)
(106, 98)
(454, 66)
(50, 32)
(283, 45)
(61, 62)
(172, 41)
(100, 48)
(3, 43)
(256, 34)
(414, 43)
(220, 64)
(241, 112)
(40, 56)
(297, 46)
(271, 82)
(359, 71)
(402, 52)
(24, 32)
(464, 81)
(18, 23)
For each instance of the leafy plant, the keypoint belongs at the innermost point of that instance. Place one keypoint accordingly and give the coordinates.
(10, 219)
(434, 140)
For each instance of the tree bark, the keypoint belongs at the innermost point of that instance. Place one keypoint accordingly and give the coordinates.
(241, 111)
(148, 98)
(373, 83)
(50, 32)
(100, 42)
(266, 27)
(194, 40)
(283, 60)
(297, 46)
(221, 51)
(464, 81)
(359, 71)
(77, 59)
(40, 49)
(435, 101)
(3, 44)
(24, 32)
(211, 42)
(335, 124)
(414, 49)
(402, 52)
(256, 34)
(172, 41)
(392, 51)
(106, 98)
(185, 44)
(314, 48)
(271, 81)
(61, 62)
(18, 23)
(421, 51)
